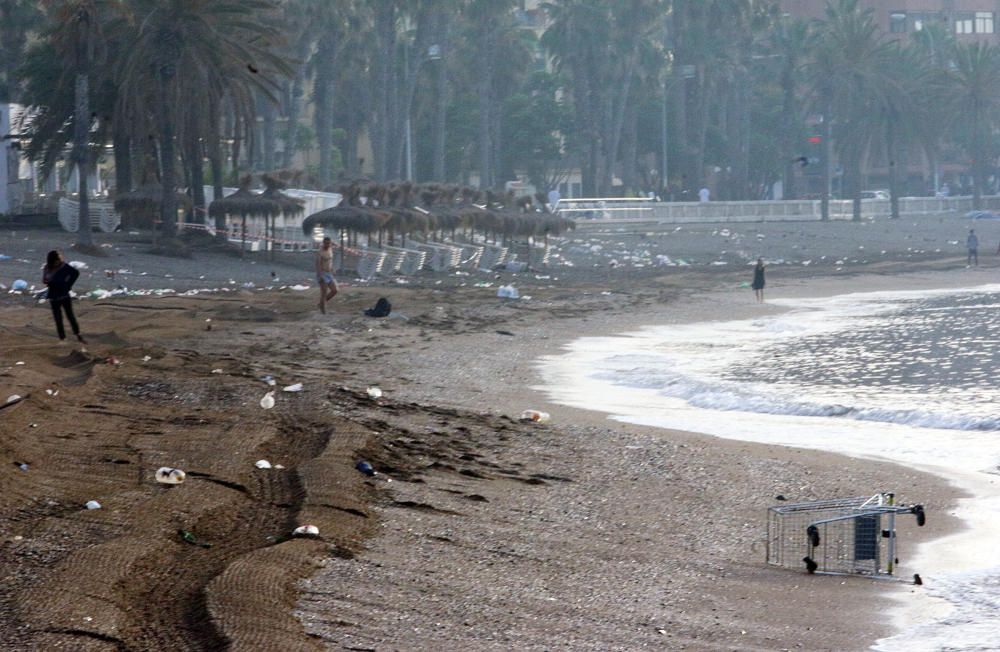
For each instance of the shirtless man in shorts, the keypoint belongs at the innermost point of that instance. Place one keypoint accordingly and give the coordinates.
(324, 274)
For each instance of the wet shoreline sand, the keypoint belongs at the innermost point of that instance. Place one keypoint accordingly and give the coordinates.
(581, 534)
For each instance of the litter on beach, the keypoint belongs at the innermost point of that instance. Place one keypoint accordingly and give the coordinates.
(168, 475)
(365, 468)
(13, 398)
(268, 401)
(305, 531)
(262, 464)
(92, 504)
(374, 392)
(269, 380)
(535, 416)
(297, 387)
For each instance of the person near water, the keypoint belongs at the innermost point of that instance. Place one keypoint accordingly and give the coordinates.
(704, 194)
(324, 274)
(60, 276)
(972, 242)
(758, 281)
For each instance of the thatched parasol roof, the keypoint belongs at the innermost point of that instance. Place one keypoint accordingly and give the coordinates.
(143, 203)
(287, 205)
(244, 202)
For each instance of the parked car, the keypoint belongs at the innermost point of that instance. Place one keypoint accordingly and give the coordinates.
(874, 194)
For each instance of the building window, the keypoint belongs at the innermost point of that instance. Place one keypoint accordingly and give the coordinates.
(897, 22)
(964, 23)
(984, 22)
(920, 19)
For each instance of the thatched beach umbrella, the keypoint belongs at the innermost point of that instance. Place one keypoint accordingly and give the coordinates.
(141, 207)
(244, 202)
(287, 205)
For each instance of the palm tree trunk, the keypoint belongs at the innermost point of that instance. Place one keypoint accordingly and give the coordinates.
(441, 101)
(824, 203)
(977, 159)
(269, 138)
(123, 158)
(892, 147)
(484, 90)
(168, 158)
(81, 150)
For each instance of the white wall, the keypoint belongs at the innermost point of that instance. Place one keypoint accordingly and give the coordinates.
(4, 159)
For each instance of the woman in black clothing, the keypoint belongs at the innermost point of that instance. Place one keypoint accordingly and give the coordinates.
(60, 277)
(758, 281)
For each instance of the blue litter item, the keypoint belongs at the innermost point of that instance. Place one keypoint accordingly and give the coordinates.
(4, 257)
(19, 284)
(365, 467)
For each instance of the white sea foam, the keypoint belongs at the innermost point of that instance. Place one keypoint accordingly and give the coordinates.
(682, 377)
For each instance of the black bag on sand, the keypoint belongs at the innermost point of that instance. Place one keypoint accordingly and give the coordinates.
(382, 308)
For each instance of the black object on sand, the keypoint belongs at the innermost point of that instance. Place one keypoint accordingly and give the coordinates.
(917, 580)
(382, 308)
(813, 533)
(811, 566)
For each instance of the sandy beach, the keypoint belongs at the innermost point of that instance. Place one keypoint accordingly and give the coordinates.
(479, 531)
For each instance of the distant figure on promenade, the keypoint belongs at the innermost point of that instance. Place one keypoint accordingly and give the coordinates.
(60, 276)
(554, 198)
(758, 280)
(324, 274)
(944, 191)
(704, 194)
(972, 242)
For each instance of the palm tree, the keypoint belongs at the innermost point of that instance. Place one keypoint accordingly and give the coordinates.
(903, 109)
(845, 73)
(790, 40)
(184, 49)
(975, 91)
(79, 39)
(18, 20)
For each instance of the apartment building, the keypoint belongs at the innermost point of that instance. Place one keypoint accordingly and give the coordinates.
(967, 19)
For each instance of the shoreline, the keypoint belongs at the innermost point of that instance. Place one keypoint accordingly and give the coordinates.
(533, 341)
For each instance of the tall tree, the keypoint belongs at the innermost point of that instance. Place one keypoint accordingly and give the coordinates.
(78, 38)
(975, 93)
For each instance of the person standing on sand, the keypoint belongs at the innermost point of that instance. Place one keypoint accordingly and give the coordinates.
(972, 242)
(60, 276)
(758, 281)
(324, 274)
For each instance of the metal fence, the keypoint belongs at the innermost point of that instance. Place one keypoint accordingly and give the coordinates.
(843, 535)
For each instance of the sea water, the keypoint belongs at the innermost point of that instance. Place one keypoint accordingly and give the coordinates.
(908, 377)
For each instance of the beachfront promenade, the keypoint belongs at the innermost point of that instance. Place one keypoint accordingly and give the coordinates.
(762, 211)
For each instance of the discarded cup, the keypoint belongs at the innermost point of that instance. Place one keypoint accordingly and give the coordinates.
(262, 464)
(365, 468)
(93, 504)
(535, 416)
(297, 387)
(374, 392)
(167, 475)
(306, 531)
(268, 401)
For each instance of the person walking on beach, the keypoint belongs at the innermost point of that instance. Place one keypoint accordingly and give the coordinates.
(60, 276)
(758, 280)
(324, 274)
(972, 242)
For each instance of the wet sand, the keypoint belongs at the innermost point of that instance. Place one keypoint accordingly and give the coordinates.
(492, 534)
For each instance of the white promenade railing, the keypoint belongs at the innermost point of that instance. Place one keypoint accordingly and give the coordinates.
(638, 210)
(102, 215)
